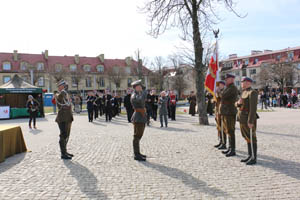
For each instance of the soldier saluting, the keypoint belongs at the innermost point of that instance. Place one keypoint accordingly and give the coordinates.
(247, 118)
(64, 118)
(228, 112)
(139, 118)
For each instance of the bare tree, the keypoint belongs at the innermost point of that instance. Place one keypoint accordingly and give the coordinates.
(77, 76)
(157, 77)
(116, 75)
(192, 17)
(178, 79)
(142, 61)
(57, 74)
(280, 73)
(34, 72)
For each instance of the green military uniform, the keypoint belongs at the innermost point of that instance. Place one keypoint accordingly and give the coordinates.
(221, 134)
(64, 120)
(139, 119)
(228, 112)
(247, 115)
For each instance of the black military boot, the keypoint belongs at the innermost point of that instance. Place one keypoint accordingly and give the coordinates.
(136, 150)
(249, 154)
(218, 145)
(252, 161)
(223, 146)
(232, 149)
(63, 151)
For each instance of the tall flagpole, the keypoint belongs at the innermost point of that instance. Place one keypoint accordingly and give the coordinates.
(216, 33)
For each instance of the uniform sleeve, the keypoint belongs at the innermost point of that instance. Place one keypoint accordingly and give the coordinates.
(253, 107)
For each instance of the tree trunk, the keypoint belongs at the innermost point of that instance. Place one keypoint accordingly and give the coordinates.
(199, 67)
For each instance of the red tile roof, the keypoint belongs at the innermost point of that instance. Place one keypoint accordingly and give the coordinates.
(65, 61)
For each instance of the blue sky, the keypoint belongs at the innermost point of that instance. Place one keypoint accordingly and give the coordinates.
(115, 28)
(270, 24)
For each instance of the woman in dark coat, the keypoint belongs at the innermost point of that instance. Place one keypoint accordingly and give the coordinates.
(32, 107)
(193, 101)
(163, 109)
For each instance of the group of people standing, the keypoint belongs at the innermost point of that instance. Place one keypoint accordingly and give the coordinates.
(99, 104)
(163, 105)
(229, 108)
(278, 99)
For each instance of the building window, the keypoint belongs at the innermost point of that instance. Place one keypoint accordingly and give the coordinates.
(87, 68)
(278, 57)
(252, 71)
(118, 84)
(41, 81)
(100, 68)
(6, 79)
(6, 66)
(74, 82)
(101, 82)
(247, 62)
(40, 66)
(255, 61)
(244, 72)
(129, 81)
(116, 69)
(58, 67)
(298, 66)
(128, 70)
(237, 83)
(25, 78)
(237, 73)
(73, 67)
(23, 66)
(291, 55)
(88, 82)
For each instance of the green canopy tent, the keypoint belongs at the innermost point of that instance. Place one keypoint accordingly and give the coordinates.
(15, 94)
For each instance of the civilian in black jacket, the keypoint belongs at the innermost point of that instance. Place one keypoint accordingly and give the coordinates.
(128, 106)
(90, 106)
(108, 107)
(32, 108)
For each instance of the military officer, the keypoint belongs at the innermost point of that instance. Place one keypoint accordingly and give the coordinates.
(139, 118)
(228, 112)
(64, 118)
(221, 133)
(247, 117)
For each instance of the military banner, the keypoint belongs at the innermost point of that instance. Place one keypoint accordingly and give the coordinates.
(212, 73)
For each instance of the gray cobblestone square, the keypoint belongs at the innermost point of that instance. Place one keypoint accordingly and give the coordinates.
(182, 162)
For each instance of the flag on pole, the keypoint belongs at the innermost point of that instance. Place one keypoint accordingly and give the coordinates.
(212, 75)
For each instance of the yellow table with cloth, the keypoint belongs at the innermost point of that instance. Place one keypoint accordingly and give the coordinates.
(11, 141)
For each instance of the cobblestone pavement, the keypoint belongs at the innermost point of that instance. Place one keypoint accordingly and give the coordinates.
(182, 162)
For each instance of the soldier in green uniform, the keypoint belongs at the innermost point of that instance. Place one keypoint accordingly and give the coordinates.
(221, 133)
(247, 117)
(228, 112)
(64, 118)
(139, 117)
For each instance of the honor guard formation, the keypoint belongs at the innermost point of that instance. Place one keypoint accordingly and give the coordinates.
(142, 105)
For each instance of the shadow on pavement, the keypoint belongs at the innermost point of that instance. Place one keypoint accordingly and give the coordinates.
(11, 162)
(172, 129)
(35, 131)
(289, 168)
(86, 180)
(277, 134)
(186, 179)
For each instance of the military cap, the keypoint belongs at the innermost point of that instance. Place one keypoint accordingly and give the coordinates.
(229, 76)
(61, 82)
(245, 78)
(136, 83)
(222, 82)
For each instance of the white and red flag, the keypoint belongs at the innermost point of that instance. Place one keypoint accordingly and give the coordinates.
(212, 75)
